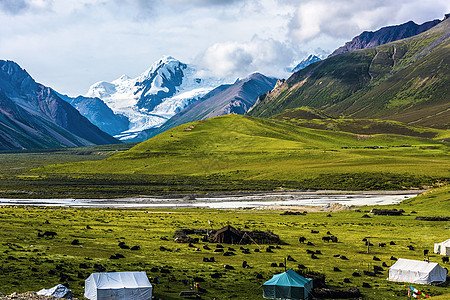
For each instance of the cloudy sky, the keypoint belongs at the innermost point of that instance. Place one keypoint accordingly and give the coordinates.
(70, 44)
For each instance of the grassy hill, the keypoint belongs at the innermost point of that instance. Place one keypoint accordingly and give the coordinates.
(407, 80)
(243, 153)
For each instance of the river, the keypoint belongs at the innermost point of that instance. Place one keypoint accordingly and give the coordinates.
(257, 200)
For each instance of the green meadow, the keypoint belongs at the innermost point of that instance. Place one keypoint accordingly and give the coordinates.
(29, 262)
(236, 153)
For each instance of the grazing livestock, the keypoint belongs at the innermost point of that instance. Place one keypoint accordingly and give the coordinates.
(356, 274)
(318, 252)
(381, 244)
(314, 231)
(245, 265)
(313, 256)
(376, 258)
(302, 239)
(219, 246)
(326, 238)
(228, 253)
(329, 233)
(347, 280)
(281, 265)
(75, 242)
(269, 249)
(445, 259)
(135, 248)
(377, 269)
(336, 255)
(163, 238)
(310, 251)
(393, 258)
(425, 252)
(336, 269)
(334, 239)
(216, 275)
(218, 250)
(206, 247)
(309, 244)
(289, 258)
(123, 246)
(343, 257)
(384, 265)
(205, 259)
(259, 276)
(366, 285)
(300, 266)
(391, 243)
(410, 247)
(162, 248)
(274, 265)
(256, 250)
(50, 234)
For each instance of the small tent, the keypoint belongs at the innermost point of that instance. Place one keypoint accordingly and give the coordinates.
(59, 291)
(416, 271)
(227, 235)
(442, 248)
(287, 285)
(118, 286)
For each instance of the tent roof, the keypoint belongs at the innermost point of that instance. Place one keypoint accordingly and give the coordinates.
(288, 278)
(447, 242)
(228, 228)
(117, 280)
(414, 265)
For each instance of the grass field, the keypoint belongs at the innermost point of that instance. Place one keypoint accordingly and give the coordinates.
(29, 262)
(234, 153)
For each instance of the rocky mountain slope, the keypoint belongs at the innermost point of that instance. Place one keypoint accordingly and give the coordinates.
(152, 98)
(99, 114)
(406, 80)
(226, 99)
(385, 35)
(34, 116)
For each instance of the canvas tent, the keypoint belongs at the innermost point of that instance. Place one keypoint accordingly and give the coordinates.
(59, 291)
(118, 286)
(416, 271)
(442, 248)
(287, 285)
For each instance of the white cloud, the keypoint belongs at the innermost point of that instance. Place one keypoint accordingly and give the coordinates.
(266, 56)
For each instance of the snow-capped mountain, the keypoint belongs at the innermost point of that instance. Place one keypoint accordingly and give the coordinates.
(152, 98)
(306, 62)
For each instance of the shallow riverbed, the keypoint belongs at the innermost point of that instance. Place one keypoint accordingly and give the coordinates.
(256, 200)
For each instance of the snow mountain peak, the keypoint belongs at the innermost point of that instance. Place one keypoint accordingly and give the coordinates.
(153, 97)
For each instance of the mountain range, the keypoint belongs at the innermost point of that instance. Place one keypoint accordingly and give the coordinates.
(156, 95)
(407, 80)
(378, 74)
(225, 99)
(34, 116)
(385, 35)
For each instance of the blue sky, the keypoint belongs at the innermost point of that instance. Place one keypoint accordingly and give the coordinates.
(71, 44)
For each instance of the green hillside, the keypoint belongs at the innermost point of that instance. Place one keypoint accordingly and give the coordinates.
(237, 152)
(406, 80)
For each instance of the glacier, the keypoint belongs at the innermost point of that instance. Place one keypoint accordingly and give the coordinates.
(156, 95)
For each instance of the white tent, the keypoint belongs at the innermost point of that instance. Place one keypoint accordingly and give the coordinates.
(442, 248)
(59, 291)
(416, 271)
(118, 286)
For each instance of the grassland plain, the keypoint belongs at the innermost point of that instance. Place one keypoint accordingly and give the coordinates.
(29, 262)
(233, 153)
